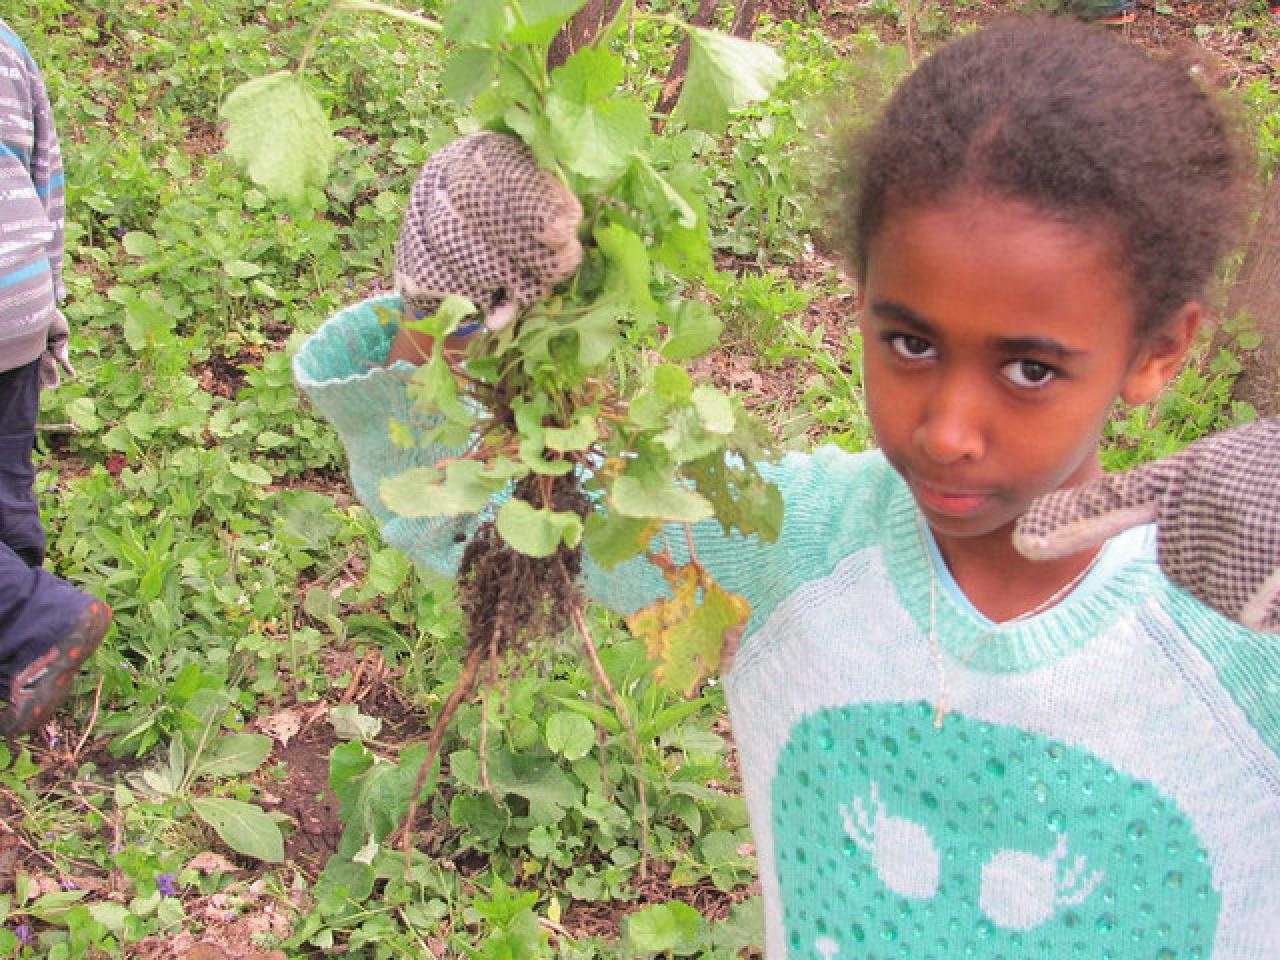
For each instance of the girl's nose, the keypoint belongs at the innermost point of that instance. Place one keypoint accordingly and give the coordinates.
(953, 427)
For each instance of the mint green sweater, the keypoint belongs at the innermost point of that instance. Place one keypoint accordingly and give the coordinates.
(1106, 783)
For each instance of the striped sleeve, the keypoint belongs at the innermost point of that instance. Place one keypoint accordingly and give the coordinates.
(31, 207)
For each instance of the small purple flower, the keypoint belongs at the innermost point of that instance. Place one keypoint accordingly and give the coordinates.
(68, 884)
(167, 884)
(23, 932)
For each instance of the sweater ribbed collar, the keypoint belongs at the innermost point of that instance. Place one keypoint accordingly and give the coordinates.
(1124, 576)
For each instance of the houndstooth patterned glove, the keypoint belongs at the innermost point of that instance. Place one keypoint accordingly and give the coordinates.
(486, 223)
(1216, 505)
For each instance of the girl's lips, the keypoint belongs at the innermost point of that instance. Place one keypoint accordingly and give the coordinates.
(952, 503)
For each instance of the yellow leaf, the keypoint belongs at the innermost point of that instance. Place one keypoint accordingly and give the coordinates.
(686, 635)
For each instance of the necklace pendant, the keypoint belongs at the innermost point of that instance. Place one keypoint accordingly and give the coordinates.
(939, 715)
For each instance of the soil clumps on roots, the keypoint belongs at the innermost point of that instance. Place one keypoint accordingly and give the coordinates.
(510, 598)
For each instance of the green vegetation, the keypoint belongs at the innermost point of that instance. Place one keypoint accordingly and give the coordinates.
(268, 648)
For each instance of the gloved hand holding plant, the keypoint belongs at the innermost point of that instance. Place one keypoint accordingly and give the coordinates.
(1217, 508)
(486, 223)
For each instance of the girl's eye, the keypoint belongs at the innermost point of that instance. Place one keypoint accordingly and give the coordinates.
(1029, 374)
(910, 347)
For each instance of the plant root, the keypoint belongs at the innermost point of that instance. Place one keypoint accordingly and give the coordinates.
(624, 716)
(508, 599)
(461, 690)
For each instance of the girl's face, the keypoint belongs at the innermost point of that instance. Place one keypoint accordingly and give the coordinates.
(996, 342)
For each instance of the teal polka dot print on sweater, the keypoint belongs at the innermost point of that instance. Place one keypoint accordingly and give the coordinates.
(895, 839)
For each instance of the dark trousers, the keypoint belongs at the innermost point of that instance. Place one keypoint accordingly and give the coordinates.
(36, 607)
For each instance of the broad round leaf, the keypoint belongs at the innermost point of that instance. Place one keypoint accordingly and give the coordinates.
(278, 132)
(570, 734)
(725, 74)
(664, 927)
(631, 498)
(537, 532)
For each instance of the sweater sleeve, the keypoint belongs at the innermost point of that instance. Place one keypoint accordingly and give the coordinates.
(31, 207)
(827, 495)
(342, 369)
(47, 176)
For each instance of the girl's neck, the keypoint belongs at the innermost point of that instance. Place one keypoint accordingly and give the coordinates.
(1001, 583)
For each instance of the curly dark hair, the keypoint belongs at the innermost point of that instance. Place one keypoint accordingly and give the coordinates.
(1076, 123)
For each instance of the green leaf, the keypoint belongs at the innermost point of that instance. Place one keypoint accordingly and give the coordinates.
(597, 331)
(468, 72)
(477, 21)
(725, 74)
(234, 754)
(744, 500)
(612, 539)
(342, 883)
(634, 498)
(570, 734)
(665, 927)
(649, 181)
(434, 388)
(279, 134)
(372, 793)
(537, 532)
(715, 410)
(138, 243)
(742, 929)
(421, 492)
(241, 269)
(243, 827)
(543, 19)
(350, 724)
(686, 438)
(581, 434)
(630, 271)
(249, 473)
(694, 331)
(539, 780)
(594, 129)
(672, 383)
(595, 712)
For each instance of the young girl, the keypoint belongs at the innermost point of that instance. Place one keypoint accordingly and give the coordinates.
(947, 750)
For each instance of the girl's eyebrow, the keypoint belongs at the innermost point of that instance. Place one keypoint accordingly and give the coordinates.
(900, 313)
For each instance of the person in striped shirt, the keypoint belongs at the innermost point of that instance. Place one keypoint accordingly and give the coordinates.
(48, 628)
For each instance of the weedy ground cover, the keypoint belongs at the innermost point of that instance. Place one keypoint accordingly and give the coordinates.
(237, 760)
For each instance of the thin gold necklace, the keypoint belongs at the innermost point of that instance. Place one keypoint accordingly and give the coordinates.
(941, 707)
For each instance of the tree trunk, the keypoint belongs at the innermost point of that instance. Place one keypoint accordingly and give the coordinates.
(744, 19)
(581, 30)
(1256, 295)
(702, 17)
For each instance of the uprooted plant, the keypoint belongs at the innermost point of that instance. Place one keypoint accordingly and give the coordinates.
(577, 417)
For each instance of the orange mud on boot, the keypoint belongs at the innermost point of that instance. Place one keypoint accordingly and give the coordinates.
(39, 688)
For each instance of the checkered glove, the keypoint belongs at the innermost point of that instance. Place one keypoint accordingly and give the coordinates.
(1217, 508)
(486, 223)
(57, 353)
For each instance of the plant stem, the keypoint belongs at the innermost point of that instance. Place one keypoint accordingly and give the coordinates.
(314, 37)
(370, 6)
(624, 715)
(461, 690)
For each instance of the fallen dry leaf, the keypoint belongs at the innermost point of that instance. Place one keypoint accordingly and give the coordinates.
(209, 862)
(282, 726)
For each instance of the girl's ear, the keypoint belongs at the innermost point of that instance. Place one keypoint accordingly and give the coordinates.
(1159, 359)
